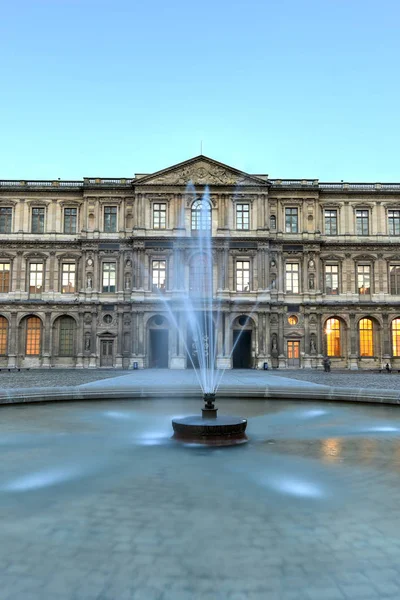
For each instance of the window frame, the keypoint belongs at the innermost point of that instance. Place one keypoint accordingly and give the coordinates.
(3, 279)
(36, 343)
(393, 222)
(239, 275)
(370, 277)
(333, 337)
(200, 219)
(72, 264)
(4, 335)
(326, 287)
(395, 337)
(331, 220)
(290, 273)
(67, 350)
(242, 216)
(110, 271)
(157, 271)
(160, 215)
(37, 271)
(362, 216)
(38, 220)
(368, 339)
(110, 225)
(7, 218)
(68, 230)
(291, 219)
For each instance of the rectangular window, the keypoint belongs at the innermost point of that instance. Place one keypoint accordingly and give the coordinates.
(35, 279)
(364, 279)
(5, 219)
(110, 219)
(242, 276)
(394, 222)
(242, 216)
(158, 274)
(394, 272)
(159, 215)
(109, 277)
(70, 215)
(292, 278)
(291, 220)
(332, 279)
(362, 222)
(4, 277)
(66, 347)
(68, 278)
(331, 222)
(38, 220)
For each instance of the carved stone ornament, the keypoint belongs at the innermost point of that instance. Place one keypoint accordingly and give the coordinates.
(87, 318)
(201, 172)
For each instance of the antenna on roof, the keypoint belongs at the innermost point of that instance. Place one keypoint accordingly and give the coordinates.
(201, 147)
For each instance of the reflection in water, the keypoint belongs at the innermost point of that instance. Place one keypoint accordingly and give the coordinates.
(40, 479)
(331, 449)
(297, 487)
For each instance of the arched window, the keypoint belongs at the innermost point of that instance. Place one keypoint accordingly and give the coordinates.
(365, 328)
(66, 336)
(201, 215)
(396, 337)
(200, 274)
(3, 335)
(33, 336)
(332, 331)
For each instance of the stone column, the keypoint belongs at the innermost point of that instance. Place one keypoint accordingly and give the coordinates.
(320, 346)
(386, 353)
(353, 363)
(12, 341)
(307, 358)
(120, 339)
(46, 341)
(79, 342)
(281, 342)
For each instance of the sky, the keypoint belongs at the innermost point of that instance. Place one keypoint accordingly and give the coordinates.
(288, 88)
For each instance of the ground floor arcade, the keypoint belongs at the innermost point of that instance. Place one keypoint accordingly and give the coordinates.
(123, 336)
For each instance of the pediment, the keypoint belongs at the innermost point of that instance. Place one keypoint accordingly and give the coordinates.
(201, 171)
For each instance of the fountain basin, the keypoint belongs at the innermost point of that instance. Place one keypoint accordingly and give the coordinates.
(221, 431)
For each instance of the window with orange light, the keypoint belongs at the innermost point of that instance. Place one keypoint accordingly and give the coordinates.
(332, 331)
(3, 335)
(365, 329)
(33, 336)
(396, 337)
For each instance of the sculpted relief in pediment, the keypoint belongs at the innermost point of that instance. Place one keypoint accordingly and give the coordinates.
(200, 173)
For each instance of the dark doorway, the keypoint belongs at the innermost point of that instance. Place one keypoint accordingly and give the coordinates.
(242, 349)
(106, 353)
(159, 348)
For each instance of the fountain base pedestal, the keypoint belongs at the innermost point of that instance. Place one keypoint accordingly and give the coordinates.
(210, 431)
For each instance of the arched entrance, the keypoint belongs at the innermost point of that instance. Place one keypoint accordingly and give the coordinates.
(242, 332)
(158, 342)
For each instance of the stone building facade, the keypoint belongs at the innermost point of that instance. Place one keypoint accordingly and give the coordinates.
(93, 272)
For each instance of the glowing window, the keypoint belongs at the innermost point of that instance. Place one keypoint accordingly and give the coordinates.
(158, 274)
(332, 331)
(366, 337)
(3, 335)
(242, 276)
(33, 336)
(68, 278)
(396, 337)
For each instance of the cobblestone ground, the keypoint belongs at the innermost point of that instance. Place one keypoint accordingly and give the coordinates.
(97, 503)
(387, 381)
(54, 377)
(67, 377)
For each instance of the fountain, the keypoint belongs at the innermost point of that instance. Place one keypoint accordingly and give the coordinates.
(203, 316)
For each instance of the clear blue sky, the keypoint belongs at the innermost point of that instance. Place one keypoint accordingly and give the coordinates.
(292, 88)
